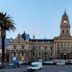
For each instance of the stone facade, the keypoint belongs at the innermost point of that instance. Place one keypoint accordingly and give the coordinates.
(34, 49)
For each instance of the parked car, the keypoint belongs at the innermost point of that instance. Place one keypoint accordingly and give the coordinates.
(40, 60)
(22, 63)
(14, 64)
(11, 65)
(3, 66)
(61, 62)
(68, 62)
(0, 65)
(35, 66)
(49, 63)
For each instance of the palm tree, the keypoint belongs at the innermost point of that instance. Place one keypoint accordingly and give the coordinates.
(6, 24)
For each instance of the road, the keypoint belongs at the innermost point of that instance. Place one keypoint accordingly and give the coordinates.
(56, 68)
(20, 69)
(48, 68)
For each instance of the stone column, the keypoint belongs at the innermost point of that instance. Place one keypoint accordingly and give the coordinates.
(54, 50)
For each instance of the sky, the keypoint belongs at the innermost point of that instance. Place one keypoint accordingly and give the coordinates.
(37, 17)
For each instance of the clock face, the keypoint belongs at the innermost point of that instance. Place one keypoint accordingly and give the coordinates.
(65, 21)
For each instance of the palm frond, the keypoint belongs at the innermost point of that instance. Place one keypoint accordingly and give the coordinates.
(6, 22)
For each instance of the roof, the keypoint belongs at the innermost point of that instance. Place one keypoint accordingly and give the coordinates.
(42, 40)
(25, 36)
(65, 16)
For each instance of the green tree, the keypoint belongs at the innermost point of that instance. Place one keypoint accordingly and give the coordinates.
(6, 24)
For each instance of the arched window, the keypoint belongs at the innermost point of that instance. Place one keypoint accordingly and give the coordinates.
(63, 31)
(14, 46)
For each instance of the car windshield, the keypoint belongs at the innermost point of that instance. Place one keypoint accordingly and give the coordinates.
(34, 65)
(61, 61)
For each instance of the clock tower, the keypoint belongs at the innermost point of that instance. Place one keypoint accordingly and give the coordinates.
(65, 25)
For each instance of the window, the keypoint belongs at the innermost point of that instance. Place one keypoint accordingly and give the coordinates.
(64, 44)
(39, 47)
(14, 46)
(57, 45)
(51, 53)
(39, 53)
(34, 47)
(22, 53)
(61, 45)
(67, 31)
(51, 48)
(45, 47)
(22, 47)
(71, 46)
(14, 53)
(33, 53)
(63, 31)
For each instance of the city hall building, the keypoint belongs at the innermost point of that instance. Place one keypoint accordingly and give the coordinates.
(27, 49)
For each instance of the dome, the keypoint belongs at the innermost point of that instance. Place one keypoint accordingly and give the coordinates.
(65, 21)
(65, 16)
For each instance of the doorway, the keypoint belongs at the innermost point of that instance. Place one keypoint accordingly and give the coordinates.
(64, 56)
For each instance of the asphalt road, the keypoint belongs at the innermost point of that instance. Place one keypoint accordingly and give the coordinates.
(55, 68)
(48, 68)
(20, 69)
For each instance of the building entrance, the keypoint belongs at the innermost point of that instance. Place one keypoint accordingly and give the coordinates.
(64, 56)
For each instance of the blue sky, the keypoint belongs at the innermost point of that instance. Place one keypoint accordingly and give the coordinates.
(37, 17)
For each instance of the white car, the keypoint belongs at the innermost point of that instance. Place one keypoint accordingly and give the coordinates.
(48, 62)
(35, 66)
(61, 62)
(10, 64)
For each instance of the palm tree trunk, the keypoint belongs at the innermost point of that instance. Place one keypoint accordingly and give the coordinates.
(3, 50)
(3, 33)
